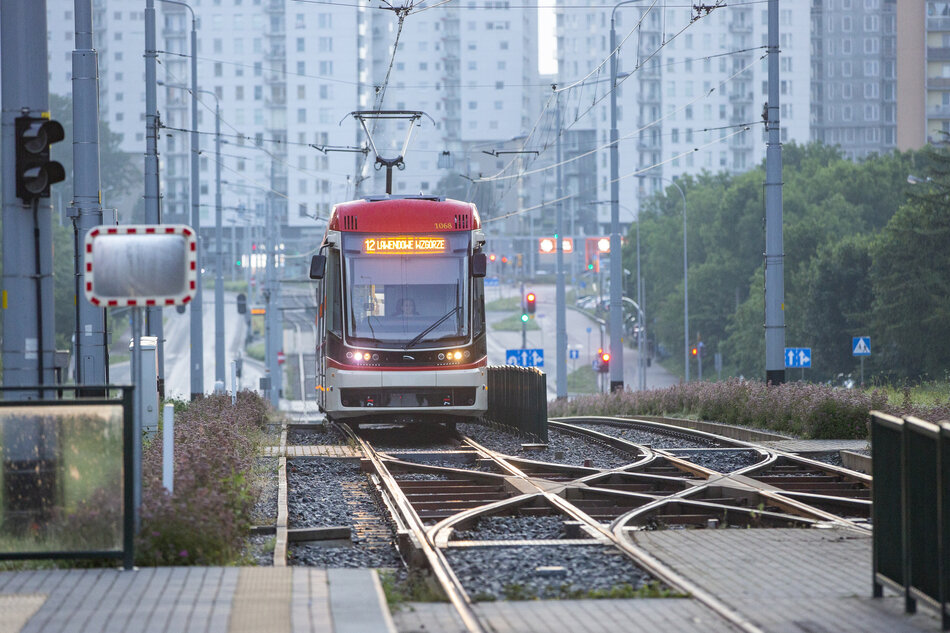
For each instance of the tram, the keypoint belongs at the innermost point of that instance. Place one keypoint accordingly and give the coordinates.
(401, 311)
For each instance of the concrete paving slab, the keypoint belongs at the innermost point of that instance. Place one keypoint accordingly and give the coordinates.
(357, 603)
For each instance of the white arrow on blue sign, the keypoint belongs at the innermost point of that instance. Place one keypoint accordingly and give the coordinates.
(860, 345)
(574, 353)
(525, 357)
(797, 357)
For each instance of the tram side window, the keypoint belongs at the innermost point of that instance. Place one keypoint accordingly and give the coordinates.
(478, 306)
(334, 295)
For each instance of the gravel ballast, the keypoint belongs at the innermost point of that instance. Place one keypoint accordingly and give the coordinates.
(513, 528)
(500, 573)
(331, 493)
(721, 461)
(562, 448)
(648, 438)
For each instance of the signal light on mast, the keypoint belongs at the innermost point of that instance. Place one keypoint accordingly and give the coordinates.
(35, 172)
(531, 302)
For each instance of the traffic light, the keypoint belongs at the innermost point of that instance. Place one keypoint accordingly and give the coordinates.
(531, 302)
(491, 257)
(242, 303)
(694, 351)
(35, 172)
(603, 361)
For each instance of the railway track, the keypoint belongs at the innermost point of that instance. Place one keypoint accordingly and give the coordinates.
(491, 516)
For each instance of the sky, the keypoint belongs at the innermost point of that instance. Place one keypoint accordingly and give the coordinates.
(547, 42)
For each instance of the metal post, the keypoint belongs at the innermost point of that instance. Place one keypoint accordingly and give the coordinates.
(219, 256)
(197, 331)
(153, 318)
(270, 301)
(91, 349)
(28, 343)
(560, 308)
(616, 265)
(168, 448)
(137, 409)
(774, 256)
(524, 328)
(641, 320)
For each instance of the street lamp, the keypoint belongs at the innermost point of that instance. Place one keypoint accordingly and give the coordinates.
(197, 340)
(218, 235)
(685, 280)
(616, 266)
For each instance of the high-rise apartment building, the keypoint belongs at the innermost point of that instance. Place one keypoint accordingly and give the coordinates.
(689, 83)
(923, 73)
(854, 75)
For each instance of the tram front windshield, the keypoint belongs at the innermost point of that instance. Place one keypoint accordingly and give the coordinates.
(406, 291)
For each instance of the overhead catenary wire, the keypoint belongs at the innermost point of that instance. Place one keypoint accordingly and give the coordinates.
(745, 127)
(625, 137)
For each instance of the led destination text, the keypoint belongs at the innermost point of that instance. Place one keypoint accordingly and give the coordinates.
(403, 245)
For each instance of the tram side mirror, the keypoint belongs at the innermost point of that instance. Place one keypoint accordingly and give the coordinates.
(479, 265)
(318, 266)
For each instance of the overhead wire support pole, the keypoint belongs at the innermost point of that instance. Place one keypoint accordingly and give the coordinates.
(153, 315)
(774, 250)
(197, 333)
(91, 351)
(560, 307)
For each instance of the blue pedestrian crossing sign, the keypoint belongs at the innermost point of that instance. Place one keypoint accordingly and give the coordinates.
(491, 282)
(797, 357)
(860, 345)
(525, 357)
(574, 353)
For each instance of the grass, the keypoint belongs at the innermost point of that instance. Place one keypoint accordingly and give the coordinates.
(504, 304)
(568, 592)
(115, 359)
(582, 380)
(513, 324)
(256, 351)
(417, 587)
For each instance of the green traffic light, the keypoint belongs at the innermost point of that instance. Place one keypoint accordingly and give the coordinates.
(524, 317)
(590, 267)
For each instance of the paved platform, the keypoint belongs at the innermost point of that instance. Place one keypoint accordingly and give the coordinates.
(794, 581)
(185, 599)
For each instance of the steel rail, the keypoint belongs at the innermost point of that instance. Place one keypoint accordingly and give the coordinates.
(434, 557)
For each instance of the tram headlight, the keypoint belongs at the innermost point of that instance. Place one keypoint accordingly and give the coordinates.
(366, 356)
(457, 355)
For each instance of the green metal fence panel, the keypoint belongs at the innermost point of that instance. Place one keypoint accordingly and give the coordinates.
(66, 475)
(887, 500)
(943, 462)
(922, 554)
(517, 398)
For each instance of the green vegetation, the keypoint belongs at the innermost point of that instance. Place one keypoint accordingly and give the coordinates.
(505, 304)
(256, 351)
(513, 324)
(854, 234)
(416, 587)
(582, 380)
(802, 409)
(568, 592)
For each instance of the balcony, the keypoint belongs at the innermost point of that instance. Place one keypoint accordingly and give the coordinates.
(938, 112)
(740, 27)
(938, 54)
(938, 24)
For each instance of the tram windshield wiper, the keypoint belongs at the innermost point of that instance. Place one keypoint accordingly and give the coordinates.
(441, 319)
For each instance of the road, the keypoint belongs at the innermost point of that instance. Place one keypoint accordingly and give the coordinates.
(578, 338)
(178, 350)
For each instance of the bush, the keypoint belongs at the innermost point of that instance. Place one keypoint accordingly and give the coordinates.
(802, 409)
(206, 519)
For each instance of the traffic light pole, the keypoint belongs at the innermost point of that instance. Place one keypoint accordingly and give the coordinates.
(91, 352)
(524, 324)
(28, 344)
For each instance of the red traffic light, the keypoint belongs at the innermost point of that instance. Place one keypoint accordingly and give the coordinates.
(605, 357)
(504, 259)
(491, 257)
(694, 351)
(531, 302)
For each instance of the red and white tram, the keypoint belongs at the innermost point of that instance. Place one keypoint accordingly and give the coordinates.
(401, 311)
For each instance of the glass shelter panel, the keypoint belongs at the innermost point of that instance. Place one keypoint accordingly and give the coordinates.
(61, 480)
